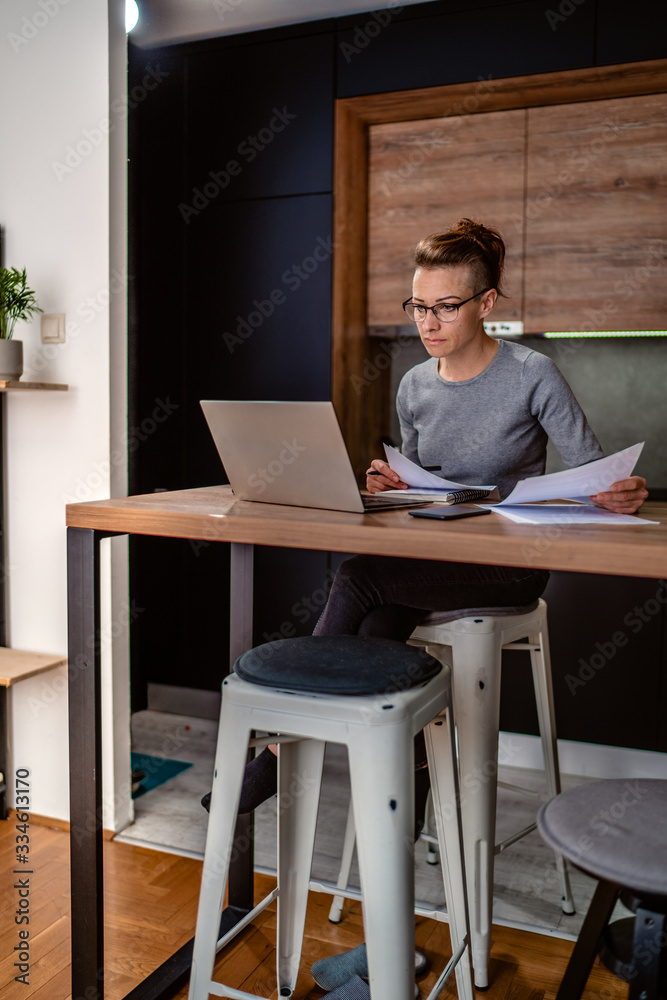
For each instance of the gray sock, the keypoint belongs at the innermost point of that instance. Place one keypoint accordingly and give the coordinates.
(337, 970)
(357, 989)
(354, 989)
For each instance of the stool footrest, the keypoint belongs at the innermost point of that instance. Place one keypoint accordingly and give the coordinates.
(220, 990)
(447, 971)
(517, 836)
(247, 919)
(533, 793)
(421, 909)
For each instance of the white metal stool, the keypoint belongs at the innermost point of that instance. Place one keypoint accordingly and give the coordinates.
(471, 641)
(378, 727)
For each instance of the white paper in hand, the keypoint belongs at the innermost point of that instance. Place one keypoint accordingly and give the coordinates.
(584, 481)
(418, 478)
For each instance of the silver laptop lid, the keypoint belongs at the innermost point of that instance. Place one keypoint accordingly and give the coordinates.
(284, 452)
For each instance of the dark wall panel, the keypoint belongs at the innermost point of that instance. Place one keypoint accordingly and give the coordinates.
(630, 32)
(231, 298)
(156, 289)
(259, 308)
(607, 660)
(259, 121)
(402, 51)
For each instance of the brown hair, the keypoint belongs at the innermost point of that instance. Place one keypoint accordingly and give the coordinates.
(469, 242)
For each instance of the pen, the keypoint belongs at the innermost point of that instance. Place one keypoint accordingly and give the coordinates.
(427, 468)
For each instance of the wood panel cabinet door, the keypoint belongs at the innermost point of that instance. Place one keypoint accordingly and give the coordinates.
(425, 175)
(596, 216)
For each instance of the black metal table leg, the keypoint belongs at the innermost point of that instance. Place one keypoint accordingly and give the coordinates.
(240, 894)
(85, 763)
(85, 747)
(4, 756)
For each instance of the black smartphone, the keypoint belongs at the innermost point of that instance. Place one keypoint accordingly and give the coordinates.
(450, 513)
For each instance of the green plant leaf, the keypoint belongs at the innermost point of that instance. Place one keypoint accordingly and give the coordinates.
(17, 300)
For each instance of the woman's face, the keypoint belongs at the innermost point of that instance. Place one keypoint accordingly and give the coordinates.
(450, 284)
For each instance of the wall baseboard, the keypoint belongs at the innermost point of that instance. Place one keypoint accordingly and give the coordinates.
(586, 760)
(183, 701)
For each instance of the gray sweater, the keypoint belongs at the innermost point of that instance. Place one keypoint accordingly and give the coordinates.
(492, 429)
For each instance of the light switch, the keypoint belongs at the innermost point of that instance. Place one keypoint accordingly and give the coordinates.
(53, 328)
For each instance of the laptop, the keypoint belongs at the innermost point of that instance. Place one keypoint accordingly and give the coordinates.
(289, 453)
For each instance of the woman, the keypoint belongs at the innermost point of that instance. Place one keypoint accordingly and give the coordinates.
(482, 409)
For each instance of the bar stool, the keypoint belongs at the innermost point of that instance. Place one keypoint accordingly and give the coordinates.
(473, 641)
(470, 642)
(614, 831)
(372, 695)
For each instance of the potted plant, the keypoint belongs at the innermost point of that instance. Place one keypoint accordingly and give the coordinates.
(17, 302)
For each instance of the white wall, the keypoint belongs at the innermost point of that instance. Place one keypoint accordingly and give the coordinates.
(60, 147)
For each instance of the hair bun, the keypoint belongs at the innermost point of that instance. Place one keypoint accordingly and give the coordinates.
(469, 243)
(476, 230)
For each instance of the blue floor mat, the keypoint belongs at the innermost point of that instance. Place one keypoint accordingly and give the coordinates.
(157, 771)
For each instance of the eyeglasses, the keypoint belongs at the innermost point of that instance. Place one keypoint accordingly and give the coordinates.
(444, 312)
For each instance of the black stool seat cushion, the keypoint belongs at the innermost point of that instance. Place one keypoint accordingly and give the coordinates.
(337, 664)
(615, 830)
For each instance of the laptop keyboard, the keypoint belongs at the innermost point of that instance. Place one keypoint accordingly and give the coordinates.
(378, 502)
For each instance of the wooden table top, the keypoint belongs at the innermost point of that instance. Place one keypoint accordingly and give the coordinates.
(212, 514)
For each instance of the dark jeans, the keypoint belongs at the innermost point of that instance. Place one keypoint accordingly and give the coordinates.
(386, 596)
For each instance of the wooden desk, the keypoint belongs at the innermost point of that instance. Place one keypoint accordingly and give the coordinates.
(212, 514)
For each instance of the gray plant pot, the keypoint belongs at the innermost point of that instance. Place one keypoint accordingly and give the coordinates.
(11, 359)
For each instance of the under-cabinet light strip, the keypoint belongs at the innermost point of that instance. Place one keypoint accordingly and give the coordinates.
(609, 333)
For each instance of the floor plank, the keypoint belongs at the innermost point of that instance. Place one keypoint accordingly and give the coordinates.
(151, 901)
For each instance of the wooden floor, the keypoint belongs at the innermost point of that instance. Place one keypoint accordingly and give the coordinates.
(151, 900)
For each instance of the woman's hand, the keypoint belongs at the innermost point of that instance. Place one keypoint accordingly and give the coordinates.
(624, 497)
(386, 480)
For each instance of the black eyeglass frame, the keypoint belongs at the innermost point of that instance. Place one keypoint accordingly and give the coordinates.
(438, 305)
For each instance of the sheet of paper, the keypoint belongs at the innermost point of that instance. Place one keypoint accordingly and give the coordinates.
(419, 479)
(525, 514)
(583, 481)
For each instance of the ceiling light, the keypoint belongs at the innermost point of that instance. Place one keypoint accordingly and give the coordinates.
(131, 14)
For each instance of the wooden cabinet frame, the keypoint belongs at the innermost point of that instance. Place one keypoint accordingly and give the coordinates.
(360, 375)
